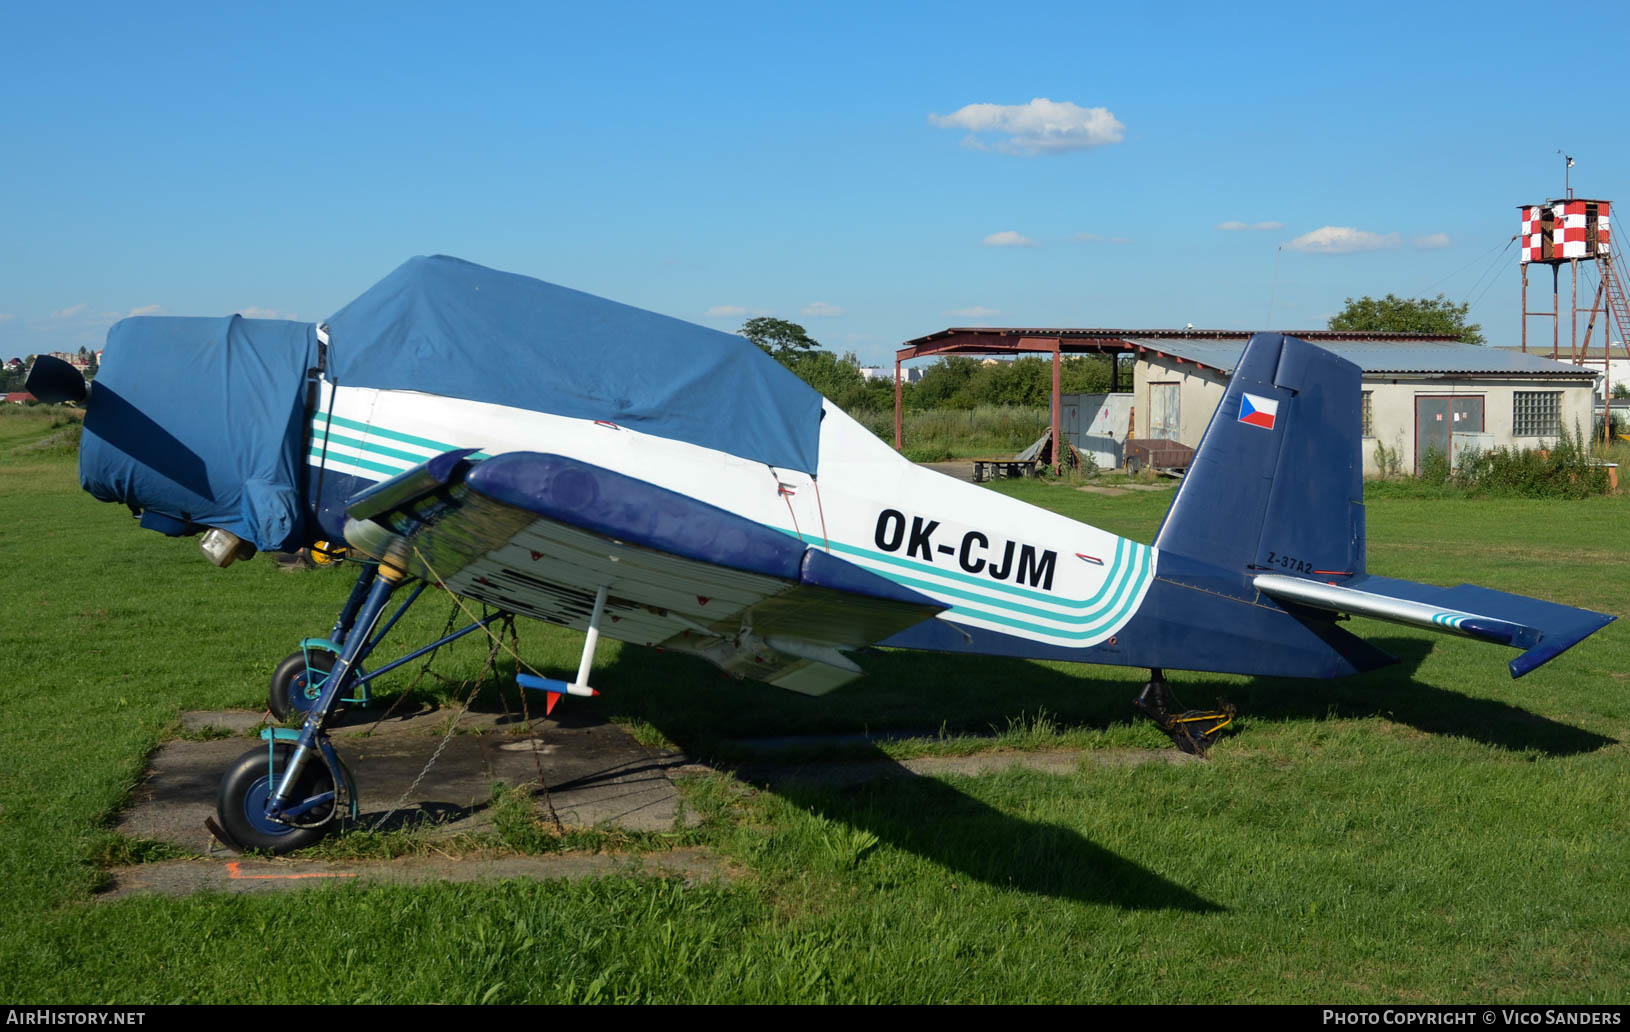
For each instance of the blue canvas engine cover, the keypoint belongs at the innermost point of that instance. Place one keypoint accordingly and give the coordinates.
(207, 416)
(449, 327)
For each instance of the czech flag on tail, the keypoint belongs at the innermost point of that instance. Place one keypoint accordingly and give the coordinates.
(1258, 411)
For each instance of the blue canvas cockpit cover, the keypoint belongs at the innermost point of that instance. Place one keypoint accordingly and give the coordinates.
(445, 326)
(201, 420)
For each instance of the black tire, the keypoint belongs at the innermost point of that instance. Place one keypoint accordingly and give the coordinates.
(294, 689)
(240, 802)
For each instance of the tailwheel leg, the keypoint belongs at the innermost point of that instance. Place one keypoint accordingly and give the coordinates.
(1192, 731)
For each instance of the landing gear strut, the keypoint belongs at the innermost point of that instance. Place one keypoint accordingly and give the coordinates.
(294, 790)
(1192, 731)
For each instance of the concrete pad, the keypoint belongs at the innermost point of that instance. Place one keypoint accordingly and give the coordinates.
(184, 877)
(956, 470)
(596, 773)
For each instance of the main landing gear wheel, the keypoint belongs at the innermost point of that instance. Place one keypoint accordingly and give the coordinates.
(1192, 731)
(297, 683)
(240, 802)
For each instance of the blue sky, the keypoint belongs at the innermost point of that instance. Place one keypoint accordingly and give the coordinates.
(820, 163)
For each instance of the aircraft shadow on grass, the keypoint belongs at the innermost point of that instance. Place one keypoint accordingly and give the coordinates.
(694, 707)
(931, 819)
(1394, 693)
(921, 815)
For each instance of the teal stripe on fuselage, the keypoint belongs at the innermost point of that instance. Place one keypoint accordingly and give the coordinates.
(317, 457)
(1122, 611)
(986, 582)
(1097, 613)
(376, 449)
(1122, 545)
(1118, 581)
(1108, 589)
(319, 421)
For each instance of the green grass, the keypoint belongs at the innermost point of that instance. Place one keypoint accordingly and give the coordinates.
(985, 431)
(1429, 833)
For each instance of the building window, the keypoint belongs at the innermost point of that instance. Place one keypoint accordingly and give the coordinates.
(1368, 428)
(1536, 414)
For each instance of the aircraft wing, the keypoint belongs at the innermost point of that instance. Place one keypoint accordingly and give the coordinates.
(1543, 630)
(539, 534)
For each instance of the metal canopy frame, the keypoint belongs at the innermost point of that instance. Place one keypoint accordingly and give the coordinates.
(986, 340)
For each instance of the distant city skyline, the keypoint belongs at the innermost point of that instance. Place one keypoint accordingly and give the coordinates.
(875, 173)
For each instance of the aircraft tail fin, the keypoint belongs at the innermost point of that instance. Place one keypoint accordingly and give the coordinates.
(1277, 482)
(1276, 492)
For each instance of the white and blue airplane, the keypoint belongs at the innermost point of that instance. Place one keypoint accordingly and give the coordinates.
(555, 455)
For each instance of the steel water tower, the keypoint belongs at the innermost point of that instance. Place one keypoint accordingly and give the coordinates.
(1574, 232)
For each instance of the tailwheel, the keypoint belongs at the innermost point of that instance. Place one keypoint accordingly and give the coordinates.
(1192, 731)
(246, 787)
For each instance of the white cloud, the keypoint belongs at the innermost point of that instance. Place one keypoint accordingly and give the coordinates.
(725, 312)
(145, 310)
(69, 312)
(1235, 226)
(1040, 127)
(822, 310)
(1430, 242)
(974, 312)
(1342, 240)
(1008, 238)
(258, 312)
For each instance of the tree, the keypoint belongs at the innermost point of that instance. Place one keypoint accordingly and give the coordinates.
(837, 379)
(778, 337)
(946, 384)
(1408, 315)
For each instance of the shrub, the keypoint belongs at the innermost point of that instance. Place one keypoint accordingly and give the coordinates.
(1566, 470)
(1389, 462)
(1434, 467)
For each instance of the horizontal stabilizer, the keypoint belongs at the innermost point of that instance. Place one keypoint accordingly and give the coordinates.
(1543, 630)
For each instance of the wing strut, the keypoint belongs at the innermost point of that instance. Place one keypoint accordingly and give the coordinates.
(555, 688)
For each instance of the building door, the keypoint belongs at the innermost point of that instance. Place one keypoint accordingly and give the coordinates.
(1438, 419)
(1163, 414)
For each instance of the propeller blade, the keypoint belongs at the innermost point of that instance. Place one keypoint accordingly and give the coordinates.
(54, 381)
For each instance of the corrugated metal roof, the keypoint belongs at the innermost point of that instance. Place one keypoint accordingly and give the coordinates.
(1009, 337)
(1594, 353)
(1383, 356)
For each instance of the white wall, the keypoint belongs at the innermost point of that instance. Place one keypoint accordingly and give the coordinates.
(1392, 404)
(1393, 410)
(1199, 392)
